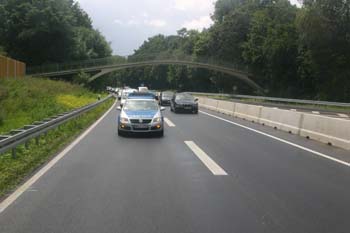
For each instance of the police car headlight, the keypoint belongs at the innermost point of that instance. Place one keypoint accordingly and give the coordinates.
(157, 119)
(124, 120)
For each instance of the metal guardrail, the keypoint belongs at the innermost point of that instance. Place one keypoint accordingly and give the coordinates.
(23, 135)
(273, 99)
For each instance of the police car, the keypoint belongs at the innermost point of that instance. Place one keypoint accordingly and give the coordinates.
(140, 115)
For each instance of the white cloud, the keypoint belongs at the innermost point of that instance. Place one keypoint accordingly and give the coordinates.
(198, 24)
(196, 5)
(118, 21)
(156, 23)
(127, 31)
(296, 2)
(133, 22)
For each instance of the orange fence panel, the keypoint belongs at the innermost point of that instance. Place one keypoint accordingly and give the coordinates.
(10, 68)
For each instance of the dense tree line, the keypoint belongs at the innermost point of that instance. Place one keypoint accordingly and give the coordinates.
(291, 52)
(49, 31)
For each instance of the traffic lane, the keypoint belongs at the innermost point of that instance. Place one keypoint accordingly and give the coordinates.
(299, 191)
(335, 152)
(113, 184)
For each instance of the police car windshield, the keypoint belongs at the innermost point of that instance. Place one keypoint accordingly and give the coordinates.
(140, 105)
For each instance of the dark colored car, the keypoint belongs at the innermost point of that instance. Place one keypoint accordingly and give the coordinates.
(155, 93)
(165, 98)
(183, 102)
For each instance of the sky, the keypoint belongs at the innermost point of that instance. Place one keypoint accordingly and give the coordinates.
(126, 24)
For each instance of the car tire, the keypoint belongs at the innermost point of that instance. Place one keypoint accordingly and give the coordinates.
(176, 111)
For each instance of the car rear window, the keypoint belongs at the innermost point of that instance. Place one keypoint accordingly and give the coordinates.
(184, 97)
(167, 94)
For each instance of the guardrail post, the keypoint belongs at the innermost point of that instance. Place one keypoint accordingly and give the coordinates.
(37, 140)
(26, 145)
(14, 155)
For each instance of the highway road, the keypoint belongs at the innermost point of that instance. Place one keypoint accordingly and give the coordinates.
(209, 174)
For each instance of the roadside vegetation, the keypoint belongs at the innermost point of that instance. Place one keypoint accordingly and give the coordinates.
(26, 100)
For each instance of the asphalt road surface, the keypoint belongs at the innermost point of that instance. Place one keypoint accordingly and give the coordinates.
(206, 175)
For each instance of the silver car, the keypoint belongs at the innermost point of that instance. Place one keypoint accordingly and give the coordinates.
(141, 116)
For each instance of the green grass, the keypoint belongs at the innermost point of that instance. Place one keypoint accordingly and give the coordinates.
(14, 171)
(25, 100)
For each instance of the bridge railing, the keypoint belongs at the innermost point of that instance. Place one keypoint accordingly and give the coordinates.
(114, 60)
(189, 58)
(57, 67)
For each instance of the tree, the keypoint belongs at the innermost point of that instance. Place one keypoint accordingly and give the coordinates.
(2, 51)
(271, 47)
(47, 31)
(81, 78)
(324, 29)
(224, 7)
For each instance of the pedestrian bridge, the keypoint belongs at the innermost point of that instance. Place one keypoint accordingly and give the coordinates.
(100, 67)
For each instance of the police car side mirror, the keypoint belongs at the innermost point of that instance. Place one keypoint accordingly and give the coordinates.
(119, 108)
(162, 109)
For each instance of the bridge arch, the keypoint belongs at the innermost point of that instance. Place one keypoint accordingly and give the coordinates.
(244, 76)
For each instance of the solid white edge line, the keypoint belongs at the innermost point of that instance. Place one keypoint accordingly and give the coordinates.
(316, 112)
(13, 197)
(343, 115)
(208, 162)
(169, 122)
(281, 140)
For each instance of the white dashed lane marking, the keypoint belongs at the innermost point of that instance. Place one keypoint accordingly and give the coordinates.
(168, 122)
(208, 162)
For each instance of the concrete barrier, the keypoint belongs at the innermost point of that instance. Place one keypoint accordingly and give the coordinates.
(285, 120)
(226, 107)
(329, 130)
(201, 100)
(326, 129)
(248, 112)
(210, 104)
